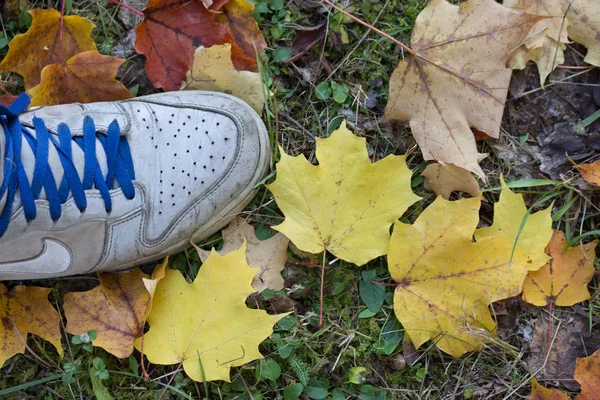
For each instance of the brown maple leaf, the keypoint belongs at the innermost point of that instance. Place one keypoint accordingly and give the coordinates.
(85, 78)
(455, 77)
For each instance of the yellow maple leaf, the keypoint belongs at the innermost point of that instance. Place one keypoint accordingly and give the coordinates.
(207, 320)
(268, 255)
(30, 52)
(116, 310)
(213, 70)
(512, 220)
(456, 78)
(346, 204)
(563, 280)
(445, 281)
(25, 310)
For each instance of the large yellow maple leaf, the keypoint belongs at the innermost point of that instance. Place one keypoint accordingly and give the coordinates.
(529, 232)
(346, 204)
(206, 325)
(41, 45)
(563, 281)
(445, 281)
(456, 77)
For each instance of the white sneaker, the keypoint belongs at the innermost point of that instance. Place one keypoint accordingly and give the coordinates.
(106, 186)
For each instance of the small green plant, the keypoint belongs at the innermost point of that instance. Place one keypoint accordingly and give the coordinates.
(86, 340)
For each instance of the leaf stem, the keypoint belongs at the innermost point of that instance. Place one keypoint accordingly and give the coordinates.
(128, 8)
(322, 289)
(371, 27)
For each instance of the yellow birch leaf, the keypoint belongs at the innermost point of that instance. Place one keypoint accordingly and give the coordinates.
(446, 178)
(268, 255)
(213, 70)
(25, 310)
(584, 27)
(207, 319)
(536, 233)
(30, 52)
(346, 204)
(86, 77)
(116, 310)
(445, 281)
(456, 79)
(563, 280)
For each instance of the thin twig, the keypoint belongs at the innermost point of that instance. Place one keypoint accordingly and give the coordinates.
(363, 23)
(128, 8)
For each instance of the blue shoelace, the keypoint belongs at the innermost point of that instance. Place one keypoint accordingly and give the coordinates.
(118, 157)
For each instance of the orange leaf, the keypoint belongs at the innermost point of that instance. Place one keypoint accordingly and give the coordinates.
(238, 18)
(30, 52)
(538, 392)
(173, 29)
(26, 310)
(590, 172)
(116, 310)
(86, 77)
(587, 373)
(563, 280)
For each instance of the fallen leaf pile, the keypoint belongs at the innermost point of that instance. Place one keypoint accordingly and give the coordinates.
(447, 270)
(173, 29)
(60, 64)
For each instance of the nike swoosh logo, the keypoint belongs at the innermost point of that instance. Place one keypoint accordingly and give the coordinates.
(54, 259)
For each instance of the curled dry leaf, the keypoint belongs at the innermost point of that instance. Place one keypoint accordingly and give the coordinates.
(587, 373)
(456, 78)
(563, 280)
(590, 172)
(446, 178)
(445, 281)
(40, 46)
(528, 232)
(214, 71)
(346, 204)
(206, 325)
(173, 29)
(538, 392)
(85, 78)
(545, 43)
(116, 310)
(268, 255)
(25, 310)
(306, 38)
